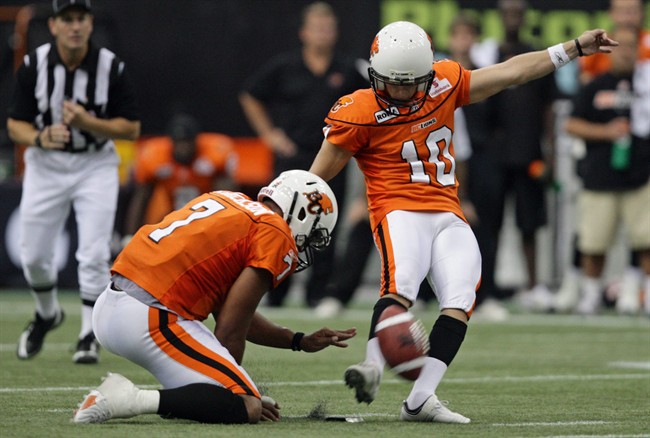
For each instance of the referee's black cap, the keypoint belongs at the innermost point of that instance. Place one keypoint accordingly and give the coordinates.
(58, 6)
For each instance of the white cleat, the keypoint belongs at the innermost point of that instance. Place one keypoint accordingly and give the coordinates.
(432, 410)
(364, 378)
(114, 398)
(567, 297)
(537, 299)
(629, 299)
(491, 310)
(589, 303)
(328, 308)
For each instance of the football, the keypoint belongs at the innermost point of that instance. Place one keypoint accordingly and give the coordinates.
(403, 341)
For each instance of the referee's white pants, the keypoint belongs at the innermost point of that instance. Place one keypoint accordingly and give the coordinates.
(55, 182)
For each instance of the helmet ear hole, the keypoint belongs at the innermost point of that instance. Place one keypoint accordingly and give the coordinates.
(308, 204)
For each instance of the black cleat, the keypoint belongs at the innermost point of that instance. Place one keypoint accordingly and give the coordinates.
(87, 350)
(31, 340)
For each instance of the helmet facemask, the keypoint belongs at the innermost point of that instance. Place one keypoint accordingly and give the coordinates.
(318, 238)
(378, 83)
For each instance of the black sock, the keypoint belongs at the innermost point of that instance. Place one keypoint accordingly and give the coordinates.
(380, 306)
(446, 337)
(204, 403)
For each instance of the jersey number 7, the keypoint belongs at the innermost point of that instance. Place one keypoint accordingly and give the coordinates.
(201, 210)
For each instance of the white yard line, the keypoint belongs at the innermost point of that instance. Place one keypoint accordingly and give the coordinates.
(643, 435)
(630, 365)
(468, 380)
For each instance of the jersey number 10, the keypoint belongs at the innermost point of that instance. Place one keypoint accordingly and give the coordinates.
(433, 142)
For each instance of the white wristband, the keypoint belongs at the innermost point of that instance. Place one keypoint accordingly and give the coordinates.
(558, 55)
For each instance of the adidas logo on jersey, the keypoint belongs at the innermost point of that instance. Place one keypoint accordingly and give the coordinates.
(386, 114)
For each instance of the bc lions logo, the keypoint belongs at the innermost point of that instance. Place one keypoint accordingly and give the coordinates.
(374, 48)
(342, 102)
(319, 203)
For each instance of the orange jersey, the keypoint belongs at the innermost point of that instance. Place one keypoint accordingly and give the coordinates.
(181, 183)
(408, 161)
(190, 260)
(600, 63)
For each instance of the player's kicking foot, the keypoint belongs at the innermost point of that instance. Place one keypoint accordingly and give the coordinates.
(31, 340)
(364, 378)
(114, 398)
(432, 410)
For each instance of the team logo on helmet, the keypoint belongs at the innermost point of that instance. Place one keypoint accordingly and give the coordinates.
(374, 48)
(319, 203)
(342, 102)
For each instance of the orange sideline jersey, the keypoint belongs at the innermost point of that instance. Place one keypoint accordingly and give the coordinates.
(408, 161)
(601, 63)
(156, 163)
(190, 260)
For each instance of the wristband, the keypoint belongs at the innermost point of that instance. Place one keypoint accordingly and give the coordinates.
(558, 55)
(295, 343)
(37, 142)
(579, 47)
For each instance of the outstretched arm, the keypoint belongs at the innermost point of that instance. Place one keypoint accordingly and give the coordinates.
(267, 333)
(520, 69)
(330, 160)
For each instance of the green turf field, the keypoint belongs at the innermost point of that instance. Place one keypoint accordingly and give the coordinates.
(532, 376)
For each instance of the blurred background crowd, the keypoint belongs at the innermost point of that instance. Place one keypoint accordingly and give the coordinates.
(223, 106)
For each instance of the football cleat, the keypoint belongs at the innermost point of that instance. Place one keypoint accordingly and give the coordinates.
(364, 378)
(537, 299)
(87, 350)
(31, 340)
(589, 303)
(114, 398)
(568, 295)
(629, 298)
(328, 307)
(432, 410)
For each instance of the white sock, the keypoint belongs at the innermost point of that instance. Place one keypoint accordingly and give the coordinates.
(427, 383)
(373, 354)
(86, 321)
(47, 303)
(591, 287)
(147, 401)
(632, 279)
(633, 274)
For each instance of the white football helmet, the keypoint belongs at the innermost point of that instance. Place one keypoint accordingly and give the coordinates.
(401, 54)
(309, 206)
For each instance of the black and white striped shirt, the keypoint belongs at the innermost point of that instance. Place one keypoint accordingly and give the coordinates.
(99, 84)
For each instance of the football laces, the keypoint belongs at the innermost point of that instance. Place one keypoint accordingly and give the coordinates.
(420, 336)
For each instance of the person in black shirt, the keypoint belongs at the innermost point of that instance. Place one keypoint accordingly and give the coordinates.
(611, 115)
(520, 124)
(285, 102)
(70, 100)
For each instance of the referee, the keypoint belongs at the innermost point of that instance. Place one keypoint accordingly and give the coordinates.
(70, 100)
